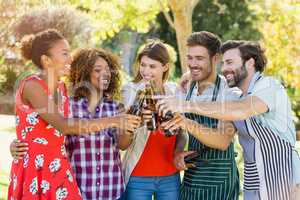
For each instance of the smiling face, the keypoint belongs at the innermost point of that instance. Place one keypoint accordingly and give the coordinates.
(95, 70)
(101, 75)
(199, 63)
(59, 57)
(152, 70)
(233, 68)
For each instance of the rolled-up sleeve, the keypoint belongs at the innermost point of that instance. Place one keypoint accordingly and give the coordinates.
(271, 92)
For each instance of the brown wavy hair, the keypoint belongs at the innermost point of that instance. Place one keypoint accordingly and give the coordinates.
(82, 66)
(156, 50)
(248, 49)
(206, 39)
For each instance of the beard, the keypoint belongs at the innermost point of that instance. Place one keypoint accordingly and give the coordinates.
(203, 72)
(238, 74)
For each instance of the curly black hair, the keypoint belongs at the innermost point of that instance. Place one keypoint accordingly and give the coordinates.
(82, 66)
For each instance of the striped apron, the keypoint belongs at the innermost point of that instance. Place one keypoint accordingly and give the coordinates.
(267, 161)
(215, 176)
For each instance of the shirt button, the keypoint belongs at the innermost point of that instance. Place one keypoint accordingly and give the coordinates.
(98, 168)
(98, 138)
(98, 154)
(98, 183)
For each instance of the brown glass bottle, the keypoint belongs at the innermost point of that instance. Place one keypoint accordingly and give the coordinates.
(160, 119)
(136, 107)
(167, 117)
(150, 105)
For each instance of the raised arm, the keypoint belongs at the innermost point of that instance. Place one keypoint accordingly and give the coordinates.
(226, 110)
(229, 110)
(181, 140)
(35, 95)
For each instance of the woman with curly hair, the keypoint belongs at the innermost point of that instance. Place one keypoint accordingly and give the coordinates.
(95, 77)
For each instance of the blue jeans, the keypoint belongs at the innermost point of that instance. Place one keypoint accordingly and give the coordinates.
(162, 187)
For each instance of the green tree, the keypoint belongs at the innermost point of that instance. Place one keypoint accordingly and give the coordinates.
(280, 26)
(230, 19)
(18, 18)
(182, 12)
(112, 16)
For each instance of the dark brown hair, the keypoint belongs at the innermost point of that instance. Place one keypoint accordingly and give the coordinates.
(155, 50)
(206, 39)
(34, 46)
(82, 67)
(248, 49)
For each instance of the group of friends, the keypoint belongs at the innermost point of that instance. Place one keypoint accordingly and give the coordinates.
(69, 140)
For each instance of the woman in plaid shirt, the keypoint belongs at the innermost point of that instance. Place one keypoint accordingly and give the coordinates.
(95, 76)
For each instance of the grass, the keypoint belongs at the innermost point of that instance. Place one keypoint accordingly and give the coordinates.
(7, 126)
(3, 185)
(8, 129)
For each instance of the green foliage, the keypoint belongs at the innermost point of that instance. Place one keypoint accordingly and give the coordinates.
(73, 24)
(4, 176)
(230, 19)
(9, 77)
(281, 31)
(111, 16)
(31, 16)
(280, 26)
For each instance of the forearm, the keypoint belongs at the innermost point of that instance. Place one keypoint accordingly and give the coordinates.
(181, 140)
(214, 138)
(229, 110)
(83, 126)
(124, 139)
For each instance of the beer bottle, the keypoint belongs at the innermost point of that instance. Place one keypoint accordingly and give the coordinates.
(168, 116)
(150, 105)
(136, 107)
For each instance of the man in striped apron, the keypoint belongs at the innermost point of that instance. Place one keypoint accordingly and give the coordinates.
(215, 174)
(263, 118)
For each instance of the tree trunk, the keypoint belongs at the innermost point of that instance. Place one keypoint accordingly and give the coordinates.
(182, 12)
(183, 30)
(129, 47)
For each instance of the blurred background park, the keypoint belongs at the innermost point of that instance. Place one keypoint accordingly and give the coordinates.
(123, 25)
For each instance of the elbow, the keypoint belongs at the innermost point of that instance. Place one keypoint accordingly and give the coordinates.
(240, 115)
(243, 110)
(222, 146)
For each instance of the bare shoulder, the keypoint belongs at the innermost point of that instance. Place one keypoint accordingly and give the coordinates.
(32, 87)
